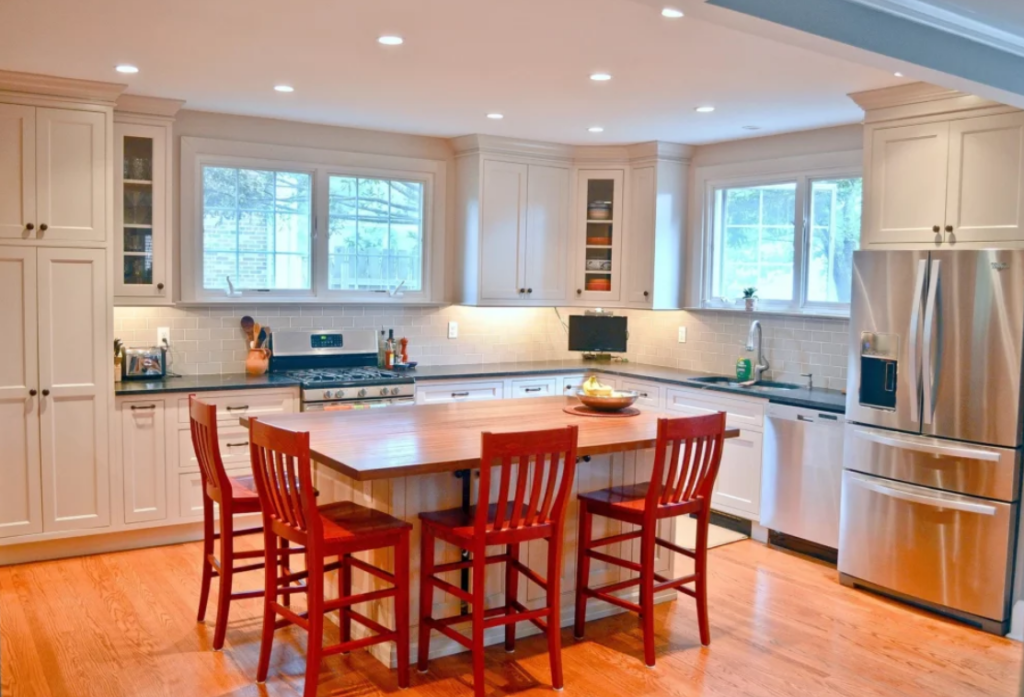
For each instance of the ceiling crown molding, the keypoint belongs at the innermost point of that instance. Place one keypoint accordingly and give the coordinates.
(578, 154)
(916, 99)
(950, 22)
(67, 88)
(148, 106)
(477, 144)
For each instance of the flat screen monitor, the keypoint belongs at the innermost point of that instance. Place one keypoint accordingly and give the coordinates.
(595, 333)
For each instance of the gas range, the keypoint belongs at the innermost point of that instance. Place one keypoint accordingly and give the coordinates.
(337, 371)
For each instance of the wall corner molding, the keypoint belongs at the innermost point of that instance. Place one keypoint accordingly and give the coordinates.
(148, 106)
(60, 87)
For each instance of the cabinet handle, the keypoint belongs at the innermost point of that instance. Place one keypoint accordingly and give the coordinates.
(460, 394)
(644, 394)
(579, 292)
(30, 227)
(529, 290)
(949, 228)
(46, 393)
(236, 445)
(936, 228)
(146, 407)
(159, 286)
(32, 393)
(646, 294)
(242, 408)
(532, 389)
(43, 227)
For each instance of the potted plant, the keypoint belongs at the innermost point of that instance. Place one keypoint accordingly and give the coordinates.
(750, 299)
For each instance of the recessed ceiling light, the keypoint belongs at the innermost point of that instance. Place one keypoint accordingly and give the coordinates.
(600, 77)
(596, 129)
(284, 88)
(751, 128)
(496, 117)
(898, 74)
(388, 40)
(127, 69)
(704, 109)
(671, 13)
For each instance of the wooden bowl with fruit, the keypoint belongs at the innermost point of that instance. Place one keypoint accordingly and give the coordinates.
(604, 398)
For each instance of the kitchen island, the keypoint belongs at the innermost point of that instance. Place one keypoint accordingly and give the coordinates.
(404, 460)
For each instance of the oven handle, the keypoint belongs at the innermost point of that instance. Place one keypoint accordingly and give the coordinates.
(921, 447)
(932, 501)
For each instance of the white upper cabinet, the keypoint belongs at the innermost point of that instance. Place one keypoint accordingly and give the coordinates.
(985, 189)
(53, 175)
(547, 233)
(503, 230)
(17, 171)
(655, 236)
(601, 216)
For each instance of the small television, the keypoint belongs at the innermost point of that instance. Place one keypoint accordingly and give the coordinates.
(597, 333)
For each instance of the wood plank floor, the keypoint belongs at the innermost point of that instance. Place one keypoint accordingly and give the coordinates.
(123, 624)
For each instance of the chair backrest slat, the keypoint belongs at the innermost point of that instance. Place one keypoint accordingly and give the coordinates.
(544, 466)
(206, 444)
(687, 457)
(284, 480)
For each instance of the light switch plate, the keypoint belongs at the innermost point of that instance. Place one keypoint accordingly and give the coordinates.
(682, 335)
(453, 330)
(163, 334)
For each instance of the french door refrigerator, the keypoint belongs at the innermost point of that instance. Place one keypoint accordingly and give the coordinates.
(932, 449)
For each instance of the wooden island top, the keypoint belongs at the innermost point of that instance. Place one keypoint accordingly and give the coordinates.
(428, 439)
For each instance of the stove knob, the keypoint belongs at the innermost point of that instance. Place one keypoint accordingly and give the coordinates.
(383, 392)
(327, 394)
(362, 393)
(339, 394)
(395, 390)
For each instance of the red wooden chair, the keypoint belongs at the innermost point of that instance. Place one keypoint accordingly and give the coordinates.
(235, 496)
(529, 507)
(687, 456)
(284, 480)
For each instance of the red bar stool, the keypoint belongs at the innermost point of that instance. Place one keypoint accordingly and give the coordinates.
(235, 496)
(530, 507)
(687, 456)
(284, 480)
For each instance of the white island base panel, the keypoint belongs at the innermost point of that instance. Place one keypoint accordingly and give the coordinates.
(407, 497)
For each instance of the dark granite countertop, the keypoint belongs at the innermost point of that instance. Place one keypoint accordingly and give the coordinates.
(203, 383)
(818, 398)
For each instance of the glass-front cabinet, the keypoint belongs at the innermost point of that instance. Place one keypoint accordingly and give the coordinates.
(142, 222)
(600, 214)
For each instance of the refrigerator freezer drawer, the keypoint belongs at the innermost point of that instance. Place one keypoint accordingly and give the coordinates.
(946, 549)
(975, 470)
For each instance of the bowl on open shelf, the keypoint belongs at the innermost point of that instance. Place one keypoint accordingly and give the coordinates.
(599, 241)
(616, 401)
(602, 284)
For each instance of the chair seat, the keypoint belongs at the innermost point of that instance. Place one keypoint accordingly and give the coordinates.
(462, 523)
(243, 488)
(345, 521)
(631, 500)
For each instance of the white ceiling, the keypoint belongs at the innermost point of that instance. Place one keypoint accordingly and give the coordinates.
(529, 59)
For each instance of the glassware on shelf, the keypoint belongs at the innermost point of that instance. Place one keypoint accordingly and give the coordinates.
(138, 159)
(138, 269)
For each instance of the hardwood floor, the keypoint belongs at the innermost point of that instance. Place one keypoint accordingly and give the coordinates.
(124, 624)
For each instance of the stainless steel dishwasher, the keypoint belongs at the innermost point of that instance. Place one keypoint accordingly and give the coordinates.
(802, 475)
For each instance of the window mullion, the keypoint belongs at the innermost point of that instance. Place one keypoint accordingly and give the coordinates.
(800, 242)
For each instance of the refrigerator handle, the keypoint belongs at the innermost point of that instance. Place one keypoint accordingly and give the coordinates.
(897, 492)
(915, 331)
(962, 452)
(926, 349)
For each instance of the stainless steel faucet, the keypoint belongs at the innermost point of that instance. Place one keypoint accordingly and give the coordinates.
(761, 365)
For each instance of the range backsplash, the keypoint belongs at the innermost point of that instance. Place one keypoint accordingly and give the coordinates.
(209, 340)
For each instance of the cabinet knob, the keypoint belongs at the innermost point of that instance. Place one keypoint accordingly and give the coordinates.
(43, 227)
(936, 228)
(46, 393)
(949, 228)
(529, 290)
(30, 227)
(646, 294)
(522, 290)
(159, 286)
(579, 292)
(32, 393)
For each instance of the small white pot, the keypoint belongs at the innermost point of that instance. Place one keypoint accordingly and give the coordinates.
(750, 304)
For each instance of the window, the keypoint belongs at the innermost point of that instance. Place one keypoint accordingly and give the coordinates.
(376, 234)
(257, 229)
(793, 240)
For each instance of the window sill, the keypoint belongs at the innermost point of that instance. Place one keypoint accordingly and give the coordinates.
(256, 300)
(804, 314)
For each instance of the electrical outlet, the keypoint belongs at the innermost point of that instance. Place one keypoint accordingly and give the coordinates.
(682, 335)
(453, 330)
(163, 336)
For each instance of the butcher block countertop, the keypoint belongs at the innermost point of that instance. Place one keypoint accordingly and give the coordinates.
(428, 439)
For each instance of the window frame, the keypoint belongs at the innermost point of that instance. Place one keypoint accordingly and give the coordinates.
(803, 179)
(197, 153)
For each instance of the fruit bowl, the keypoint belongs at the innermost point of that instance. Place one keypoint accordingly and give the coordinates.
(616, 401)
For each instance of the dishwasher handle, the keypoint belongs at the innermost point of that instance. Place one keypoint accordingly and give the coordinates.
(785, 412)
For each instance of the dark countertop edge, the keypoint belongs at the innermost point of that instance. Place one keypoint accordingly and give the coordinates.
(188, 383)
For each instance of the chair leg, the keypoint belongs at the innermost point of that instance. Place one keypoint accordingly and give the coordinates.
(582, 568)
(402, 606)
(286, 567)
(511, 593)
(554, 599)
(227, 572)
(269, 614)
(345, 590)
(701, 568)
(315, 643)
(478, 594)
(204, 589)
(647, 542)
(426, 596)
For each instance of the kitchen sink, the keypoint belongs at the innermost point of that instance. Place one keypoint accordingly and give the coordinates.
(762, 386)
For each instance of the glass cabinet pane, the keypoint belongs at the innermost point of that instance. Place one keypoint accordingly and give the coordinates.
(138, 159)
(601, 224)
(137, 211)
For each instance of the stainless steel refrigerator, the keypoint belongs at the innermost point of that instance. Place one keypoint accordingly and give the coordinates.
(932, 448)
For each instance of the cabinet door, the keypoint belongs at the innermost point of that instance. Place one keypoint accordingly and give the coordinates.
(547, 233)
(17, 171)
(905, 197)
(738, 486)
(143, 460)
(639, 253)
(74, 368)
(20, 496)
(503, 227)
(599, 202)
(985, 196)
(140, 212)
(71, 167)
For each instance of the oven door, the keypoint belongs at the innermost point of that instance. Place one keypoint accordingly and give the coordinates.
(358, 405)
(942, 548)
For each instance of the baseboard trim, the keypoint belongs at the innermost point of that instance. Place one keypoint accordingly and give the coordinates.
(120, 541)
(804, 547)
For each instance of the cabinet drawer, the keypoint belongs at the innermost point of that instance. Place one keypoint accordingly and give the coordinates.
(571, 383)
(538, 387)
(741, 413)
(232, 407)
(650, 395)
(459, 392)
(190, 492)
(234, 448)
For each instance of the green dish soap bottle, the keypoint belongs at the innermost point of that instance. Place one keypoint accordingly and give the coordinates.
(744, 368)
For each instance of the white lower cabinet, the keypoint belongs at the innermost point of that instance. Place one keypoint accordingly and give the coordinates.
(533, 387)
(144, 455)
(447, 392)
